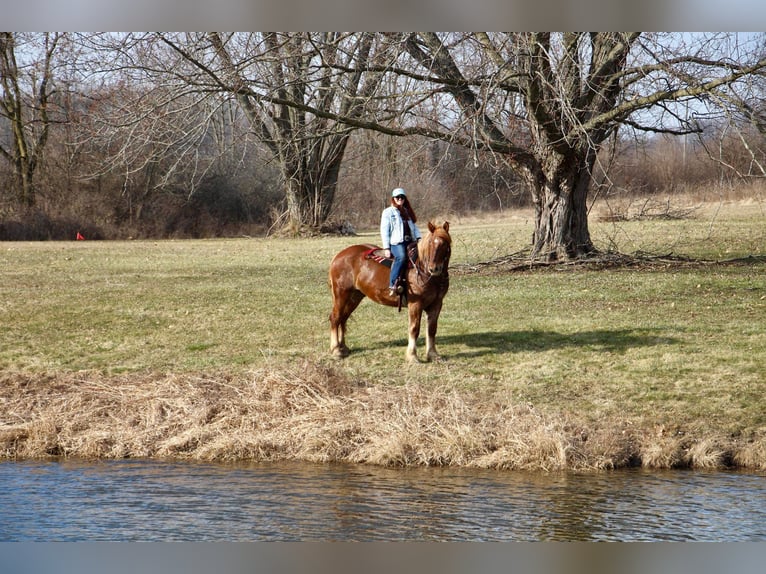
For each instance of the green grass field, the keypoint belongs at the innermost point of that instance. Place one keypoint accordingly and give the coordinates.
(673, 347)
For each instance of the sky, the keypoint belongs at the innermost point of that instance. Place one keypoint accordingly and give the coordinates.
(383, 15)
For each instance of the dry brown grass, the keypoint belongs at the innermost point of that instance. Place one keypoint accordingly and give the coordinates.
(315, 414)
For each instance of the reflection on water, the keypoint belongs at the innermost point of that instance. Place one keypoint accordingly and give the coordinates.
(148, 500)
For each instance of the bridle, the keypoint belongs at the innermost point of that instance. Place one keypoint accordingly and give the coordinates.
(422, 268)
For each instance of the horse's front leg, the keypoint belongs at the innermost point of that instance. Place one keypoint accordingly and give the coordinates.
(432, 319)
(415, 312)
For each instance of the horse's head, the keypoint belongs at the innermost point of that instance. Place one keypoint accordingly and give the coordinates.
(436, 249)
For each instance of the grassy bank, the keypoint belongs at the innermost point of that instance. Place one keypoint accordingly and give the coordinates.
(218, 350)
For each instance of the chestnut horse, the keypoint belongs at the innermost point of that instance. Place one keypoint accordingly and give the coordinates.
(353, 277)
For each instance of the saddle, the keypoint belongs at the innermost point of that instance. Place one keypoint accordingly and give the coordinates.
(378, 255)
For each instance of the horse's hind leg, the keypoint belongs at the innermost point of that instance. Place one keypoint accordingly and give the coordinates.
(344, 303)
(338, 334)
(337, 346)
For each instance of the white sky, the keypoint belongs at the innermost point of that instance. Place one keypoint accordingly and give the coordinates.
(378, 15)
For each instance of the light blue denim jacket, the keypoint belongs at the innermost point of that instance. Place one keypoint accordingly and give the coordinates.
(392, 228)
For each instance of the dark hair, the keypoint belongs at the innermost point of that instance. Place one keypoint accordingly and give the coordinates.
(405, 209)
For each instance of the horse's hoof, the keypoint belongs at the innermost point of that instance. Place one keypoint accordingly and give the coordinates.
(340, 352)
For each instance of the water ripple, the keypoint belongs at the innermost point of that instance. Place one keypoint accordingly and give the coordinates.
(157, 501)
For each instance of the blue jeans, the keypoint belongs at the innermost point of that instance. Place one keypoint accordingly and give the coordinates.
(399, 251)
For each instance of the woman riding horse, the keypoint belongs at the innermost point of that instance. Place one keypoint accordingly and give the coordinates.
(353, 276)
(398, 228)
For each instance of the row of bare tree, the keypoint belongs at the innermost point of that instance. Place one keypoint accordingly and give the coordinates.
(198, 133)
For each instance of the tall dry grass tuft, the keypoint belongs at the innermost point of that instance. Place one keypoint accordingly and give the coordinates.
(708, 452)
(662, 452)
(312, 413)
(752, 454)
(681, 450)
(610, 446)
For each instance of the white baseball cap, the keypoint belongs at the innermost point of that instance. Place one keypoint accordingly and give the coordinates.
(397, 192)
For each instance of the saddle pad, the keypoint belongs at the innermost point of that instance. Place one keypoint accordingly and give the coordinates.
(378, 255)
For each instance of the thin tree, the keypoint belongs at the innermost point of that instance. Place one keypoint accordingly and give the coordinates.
(149, 132)
(26, 86)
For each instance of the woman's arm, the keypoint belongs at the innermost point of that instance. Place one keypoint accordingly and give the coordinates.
(385, 229)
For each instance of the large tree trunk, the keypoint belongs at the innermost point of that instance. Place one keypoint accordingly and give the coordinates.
(308, 146)
(310, 185)
(560, 193)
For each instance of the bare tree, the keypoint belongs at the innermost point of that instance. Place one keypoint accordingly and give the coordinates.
(290, 86)
(542, 103)
(547, 102)
(153, 134)
(739, 122)
(26, 86)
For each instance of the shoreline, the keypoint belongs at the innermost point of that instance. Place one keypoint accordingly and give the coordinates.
(314, 414)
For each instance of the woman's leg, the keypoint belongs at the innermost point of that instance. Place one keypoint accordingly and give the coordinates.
(400, 257)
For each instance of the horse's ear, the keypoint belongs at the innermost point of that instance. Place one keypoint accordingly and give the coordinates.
(446, 226)
(431, 226)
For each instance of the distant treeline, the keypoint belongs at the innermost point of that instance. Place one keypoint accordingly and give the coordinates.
(246, 199)
(161, 135)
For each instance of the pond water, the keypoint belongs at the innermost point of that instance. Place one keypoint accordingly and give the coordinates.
(134, 500)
